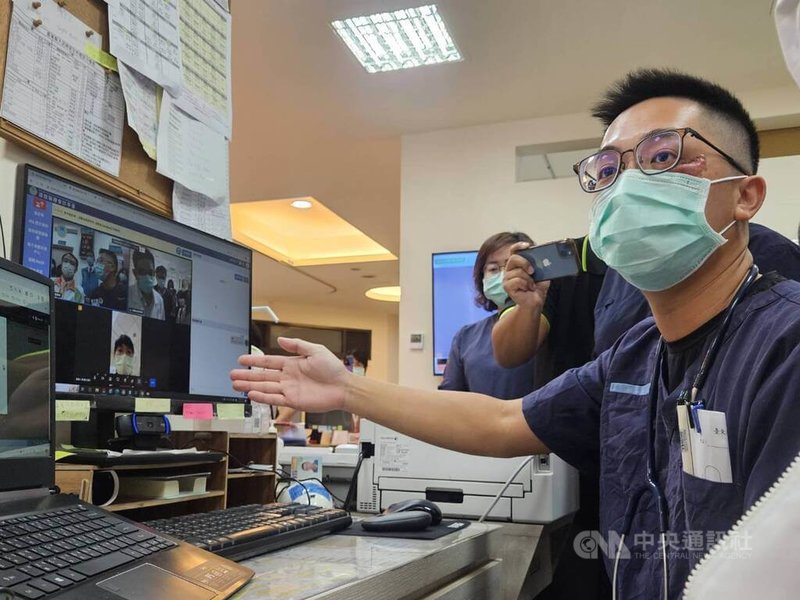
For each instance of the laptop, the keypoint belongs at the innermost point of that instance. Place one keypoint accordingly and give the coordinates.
(53, 545)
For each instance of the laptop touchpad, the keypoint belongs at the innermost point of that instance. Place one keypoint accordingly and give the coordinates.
(147, 581)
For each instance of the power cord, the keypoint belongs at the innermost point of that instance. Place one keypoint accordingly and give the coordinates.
(353, 483)
(505, 487)
(3, 236)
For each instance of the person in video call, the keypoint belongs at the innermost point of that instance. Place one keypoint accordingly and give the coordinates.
(167, 293)
(124, 356)
(65, 286)
(110, 293)
(142, 295)
(90, 274)
(471, 365)
(673, 188)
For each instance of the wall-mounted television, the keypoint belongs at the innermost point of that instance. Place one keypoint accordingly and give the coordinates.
(453, 301)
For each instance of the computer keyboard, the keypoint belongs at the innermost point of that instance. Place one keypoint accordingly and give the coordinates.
(44, 553)
(244, 531)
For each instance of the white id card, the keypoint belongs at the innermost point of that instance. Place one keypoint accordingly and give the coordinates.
(711, 458)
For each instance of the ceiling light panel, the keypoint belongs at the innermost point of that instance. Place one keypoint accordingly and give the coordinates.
(411, 37)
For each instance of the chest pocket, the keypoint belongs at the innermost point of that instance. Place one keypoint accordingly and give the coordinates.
(710, 506)
(624, 446)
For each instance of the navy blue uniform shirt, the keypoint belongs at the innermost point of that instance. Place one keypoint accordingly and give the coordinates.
(596, 418)
(620, 306)
(471, 366)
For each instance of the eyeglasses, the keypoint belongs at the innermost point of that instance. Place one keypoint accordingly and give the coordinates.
(492, 268)
(658, 152)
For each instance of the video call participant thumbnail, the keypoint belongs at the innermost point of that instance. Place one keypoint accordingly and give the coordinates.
(111, 293)
(142, 295)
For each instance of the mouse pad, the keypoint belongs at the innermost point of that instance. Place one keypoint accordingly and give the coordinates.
(431, 532)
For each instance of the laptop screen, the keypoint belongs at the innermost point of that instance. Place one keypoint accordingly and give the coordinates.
(25, 368)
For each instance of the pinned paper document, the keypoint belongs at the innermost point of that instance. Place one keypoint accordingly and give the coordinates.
(142, 99)
(201, 212)
(787, 22)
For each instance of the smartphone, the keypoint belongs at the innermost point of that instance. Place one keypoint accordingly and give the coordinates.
(553, 260)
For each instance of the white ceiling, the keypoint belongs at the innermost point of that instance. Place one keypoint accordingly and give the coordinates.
(309, 121)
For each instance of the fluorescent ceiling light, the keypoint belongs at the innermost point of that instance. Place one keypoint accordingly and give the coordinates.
(411, 37)
(302, 204)
(384, 294)
(301, 238)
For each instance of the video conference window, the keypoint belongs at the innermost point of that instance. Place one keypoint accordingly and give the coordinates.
(128, 322)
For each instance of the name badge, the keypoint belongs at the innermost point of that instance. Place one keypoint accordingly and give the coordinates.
(708, 444)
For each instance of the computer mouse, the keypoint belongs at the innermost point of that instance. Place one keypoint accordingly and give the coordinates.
(417, 504)
(411, 520)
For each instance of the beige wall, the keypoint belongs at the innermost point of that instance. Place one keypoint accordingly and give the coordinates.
(384, 327)
(458, 187)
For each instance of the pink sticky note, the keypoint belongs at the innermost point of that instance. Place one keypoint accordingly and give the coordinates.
(198, 410)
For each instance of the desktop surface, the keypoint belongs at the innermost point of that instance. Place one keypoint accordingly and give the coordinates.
(349, 567)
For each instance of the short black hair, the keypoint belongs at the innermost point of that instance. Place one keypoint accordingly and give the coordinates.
(139, 256)
(161, 269)
(124, 340)
(70, 256)
(644, 84)
(492, 244)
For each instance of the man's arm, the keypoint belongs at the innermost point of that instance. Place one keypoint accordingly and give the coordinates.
(520, 330)
(316, 381)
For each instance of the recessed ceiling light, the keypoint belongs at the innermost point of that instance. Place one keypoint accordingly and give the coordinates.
(411, 37)
(302, 204)
(384, 294)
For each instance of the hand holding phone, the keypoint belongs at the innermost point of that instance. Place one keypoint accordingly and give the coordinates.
(553, 260)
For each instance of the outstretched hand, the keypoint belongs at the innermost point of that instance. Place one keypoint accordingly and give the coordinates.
(313, 381)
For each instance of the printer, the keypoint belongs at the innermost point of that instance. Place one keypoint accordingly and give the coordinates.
(396, 467)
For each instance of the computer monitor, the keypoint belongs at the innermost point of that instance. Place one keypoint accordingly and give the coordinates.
(144, 306)
(26, 383)
(453, 301)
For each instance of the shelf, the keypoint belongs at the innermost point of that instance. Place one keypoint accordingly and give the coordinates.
(131, 504)
(250, 475)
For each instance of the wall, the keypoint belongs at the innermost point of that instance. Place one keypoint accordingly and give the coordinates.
(458, 187)
(384, 327)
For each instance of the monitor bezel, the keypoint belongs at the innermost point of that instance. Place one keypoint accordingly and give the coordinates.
(109, 401)
(27, 473)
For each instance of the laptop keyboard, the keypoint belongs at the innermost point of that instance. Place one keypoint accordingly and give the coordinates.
(43, 553)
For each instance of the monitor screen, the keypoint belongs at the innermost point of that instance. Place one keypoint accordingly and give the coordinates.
(144, 306)
(453, 301)
(25, 384)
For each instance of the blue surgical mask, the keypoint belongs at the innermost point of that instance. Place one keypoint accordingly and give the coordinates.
(146, 283)
(493, 289)
(652, 229)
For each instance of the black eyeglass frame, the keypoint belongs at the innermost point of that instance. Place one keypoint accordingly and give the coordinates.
(681, 131)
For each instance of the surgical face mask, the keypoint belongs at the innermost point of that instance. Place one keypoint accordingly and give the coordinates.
(99, 269)
(493, 289)
(123, 364)
(652, 229)
(68, 270)
(146, 283)
(359, 371)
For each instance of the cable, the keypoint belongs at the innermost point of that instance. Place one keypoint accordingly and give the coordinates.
(353, 483)
(287, 476)
(616, 567)
(505, 487)
(3, 236)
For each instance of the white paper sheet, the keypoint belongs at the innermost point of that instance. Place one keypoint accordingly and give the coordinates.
(787, 22)
(141, 103)
(61, 23)
(206, 59)
(191, 153)
(55, 91)
(144, 35)
(201, 212)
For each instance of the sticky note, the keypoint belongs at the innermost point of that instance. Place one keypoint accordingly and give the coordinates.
(230, 411)
(72, 410)
(104, 59)
(63, 454)
(192, 410)
(152, 405)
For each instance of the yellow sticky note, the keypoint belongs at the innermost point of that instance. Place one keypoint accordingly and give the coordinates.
(72, 410)
(104, 59)
(152, 405)
(230, 411)
(63, 454)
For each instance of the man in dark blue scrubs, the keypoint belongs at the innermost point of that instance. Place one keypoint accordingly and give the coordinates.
(682, 452)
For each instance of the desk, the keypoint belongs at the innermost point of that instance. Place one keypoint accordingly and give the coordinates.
(337, 567)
